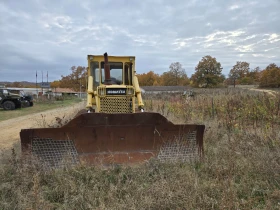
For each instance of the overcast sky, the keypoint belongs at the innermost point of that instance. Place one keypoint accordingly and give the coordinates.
(53, 35)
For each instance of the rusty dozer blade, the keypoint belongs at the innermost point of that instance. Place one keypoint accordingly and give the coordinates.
(99, 138)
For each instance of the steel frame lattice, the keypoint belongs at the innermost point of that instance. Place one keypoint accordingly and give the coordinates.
(182, 148)
(55, 153)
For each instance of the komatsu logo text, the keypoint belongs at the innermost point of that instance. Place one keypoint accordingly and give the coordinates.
(113, 91)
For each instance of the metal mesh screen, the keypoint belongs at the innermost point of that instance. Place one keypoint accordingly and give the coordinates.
(179, 148)
(55, 153)
(116, 105)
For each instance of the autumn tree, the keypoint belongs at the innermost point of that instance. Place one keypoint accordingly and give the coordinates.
(55, 84)
(167, 79)
(148, 79)
(208, 73)
(240, 72)
(76, 80)
(270, 76)
(177, 72)
(255, 74)
(21, 85)
(175, 76)
(271, 66)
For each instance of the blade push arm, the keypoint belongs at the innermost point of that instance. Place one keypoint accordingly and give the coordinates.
(138, 93)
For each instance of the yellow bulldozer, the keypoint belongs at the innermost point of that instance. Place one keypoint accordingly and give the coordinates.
(115, 129)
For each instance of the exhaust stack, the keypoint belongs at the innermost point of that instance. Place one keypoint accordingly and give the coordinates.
(107, 70)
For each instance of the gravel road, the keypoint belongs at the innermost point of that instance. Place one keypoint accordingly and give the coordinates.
(10, 129)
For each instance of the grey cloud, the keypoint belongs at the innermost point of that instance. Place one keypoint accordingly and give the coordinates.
(54, 35)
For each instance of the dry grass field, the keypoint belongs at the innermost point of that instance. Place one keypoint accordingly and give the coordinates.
(240, 168)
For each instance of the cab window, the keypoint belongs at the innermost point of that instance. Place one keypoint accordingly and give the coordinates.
(116, 72)
(94, 71)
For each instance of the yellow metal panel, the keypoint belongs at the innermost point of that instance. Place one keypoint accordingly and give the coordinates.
(97, 99)
(89, 101)
(138, 92)
(90, 84)
(100, 58)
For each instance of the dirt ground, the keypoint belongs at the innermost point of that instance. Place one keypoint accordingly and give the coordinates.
(10, 129)
(270, 92)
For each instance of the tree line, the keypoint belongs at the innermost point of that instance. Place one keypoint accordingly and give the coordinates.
(208, 73)
(242, 74)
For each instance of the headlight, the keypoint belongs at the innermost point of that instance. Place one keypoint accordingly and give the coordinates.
(130, 91)
(102, 91)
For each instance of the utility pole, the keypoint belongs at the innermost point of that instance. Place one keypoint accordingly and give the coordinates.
(48, 89)
(36, 85)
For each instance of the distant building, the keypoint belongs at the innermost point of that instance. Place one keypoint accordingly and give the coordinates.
(63, 91)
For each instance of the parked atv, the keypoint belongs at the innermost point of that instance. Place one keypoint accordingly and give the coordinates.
(9, 101)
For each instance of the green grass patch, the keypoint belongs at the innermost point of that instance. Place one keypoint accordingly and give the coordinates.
(38, 107)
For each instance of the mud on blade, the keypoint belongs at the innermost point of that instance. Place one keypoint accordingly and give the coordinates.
(98, 138)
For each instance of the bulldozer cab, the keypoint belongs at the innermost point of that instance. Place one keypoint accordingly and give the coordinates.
(112, 84)
(121, 69)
